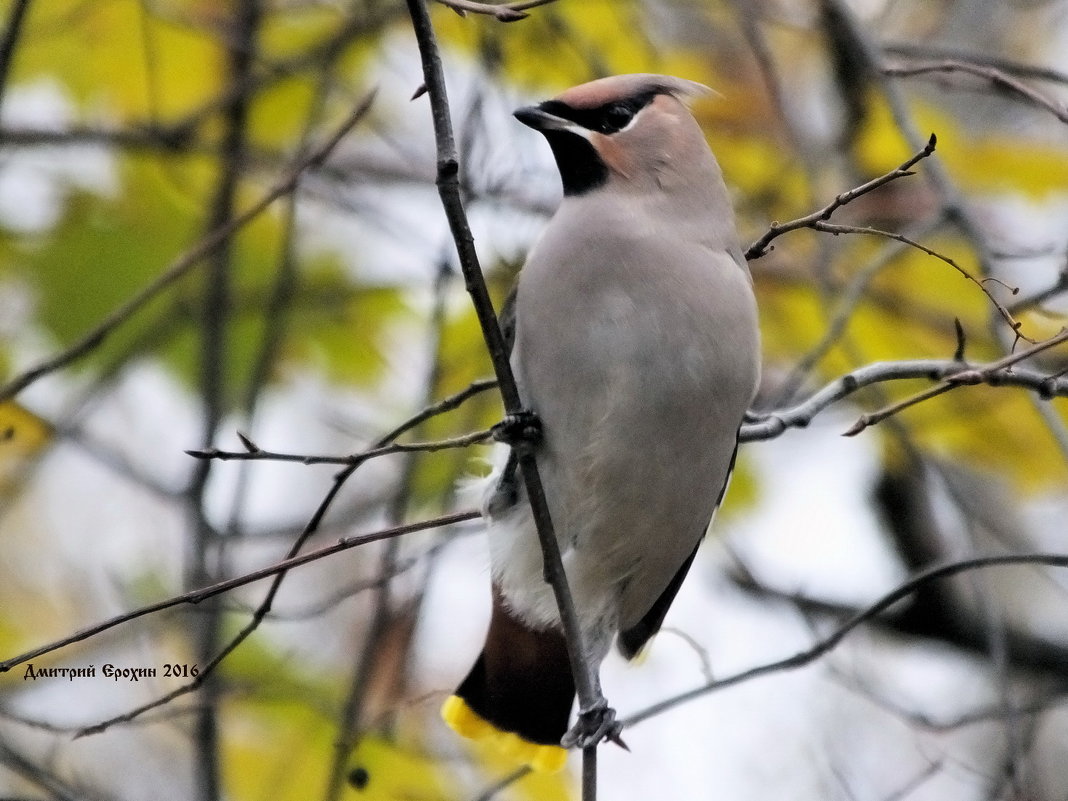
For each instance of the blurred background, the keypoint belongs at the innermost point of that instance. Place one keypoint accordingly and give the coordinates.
(130, 129)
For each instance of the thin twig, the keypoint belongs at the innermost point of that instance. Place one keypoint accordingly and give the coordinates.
(453, 401)
(587, 683)
(829, 643)
(266, 604)
(264, 608)
(196, 596)
(381, 446)
(187, 261)
(934, 51)
(258, 454)
(775, 230)
(961, 377)
(995, 76)
(833, 228)
(848, 300)
(955, 206)
(771, 424)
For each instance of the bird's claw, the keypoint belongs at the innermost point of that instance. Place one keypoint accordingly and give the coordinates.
(522, 427)
(593, 726)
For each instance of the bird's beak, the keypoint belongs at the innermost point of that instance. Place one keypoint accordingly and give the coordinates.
(540, 120)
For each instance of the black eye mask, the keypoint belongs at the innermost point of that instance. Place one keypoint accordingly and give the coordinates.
(606, 119)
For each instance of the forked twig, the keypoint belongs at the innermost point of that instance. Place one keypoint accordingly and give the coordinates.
(776, 229)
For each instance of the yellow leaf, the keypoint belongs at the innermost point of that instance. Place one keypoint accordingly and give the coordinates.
(22, 436)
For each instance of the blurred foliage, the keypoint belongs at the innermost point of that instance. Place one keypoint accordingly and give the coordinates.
(153, 78)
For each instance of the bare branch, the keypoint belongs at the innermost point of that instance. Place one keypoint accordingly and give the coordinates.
(934, 51)
(768, 425)
(196, 596)
(188, 260)
(995, 76)
(974, 375)
(592, 705)
(829, 643)
(772, 424)
(760, 247)
(260, 455)
(955, 206)
(445, 405)
(312, 526)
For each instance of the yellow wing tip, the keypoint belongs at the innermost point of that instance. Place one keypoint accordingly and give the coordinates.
(467, 723)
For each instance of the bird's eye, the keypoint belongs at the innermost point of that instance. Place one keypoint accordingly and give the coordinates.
(616, 117)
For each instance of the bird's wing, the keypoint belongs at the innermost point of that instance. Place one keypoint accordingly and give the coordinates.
(633, 639)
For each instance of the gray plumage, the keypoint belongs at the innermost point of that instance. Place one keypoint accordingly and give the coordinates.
(635, 341)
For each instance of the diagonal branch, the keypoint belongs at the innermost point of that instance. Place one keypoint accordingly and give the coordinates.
(955, 206)
(257, 454)
(310, 528)
(995, 76)
(928, 50)
(833, 640)
(769, 425)
(775, 230)
(962, 377)
(196, 596)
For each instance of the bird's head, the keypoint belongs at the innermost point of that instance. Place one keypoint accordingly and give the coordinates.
(628, 129)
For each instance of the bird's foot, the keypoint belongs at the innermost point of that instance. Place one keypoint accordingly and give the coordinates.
(522, 427)
(593, 726)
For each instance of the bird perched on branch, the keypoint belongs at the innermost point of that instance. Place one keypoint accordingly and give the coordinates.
(636, 344)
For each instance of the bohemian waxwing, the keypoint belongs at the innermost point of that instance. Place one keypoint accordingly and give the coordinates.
(635, 342)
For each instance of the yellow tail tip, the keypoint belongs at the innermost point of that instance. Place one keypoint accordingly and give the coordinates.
(467, 723)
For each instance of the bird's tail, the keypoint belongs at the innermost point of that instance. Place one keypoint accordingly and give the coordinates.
(519, 693)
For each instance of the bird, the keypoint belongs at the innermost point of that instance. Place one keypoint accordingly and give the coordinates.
(634, 341)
